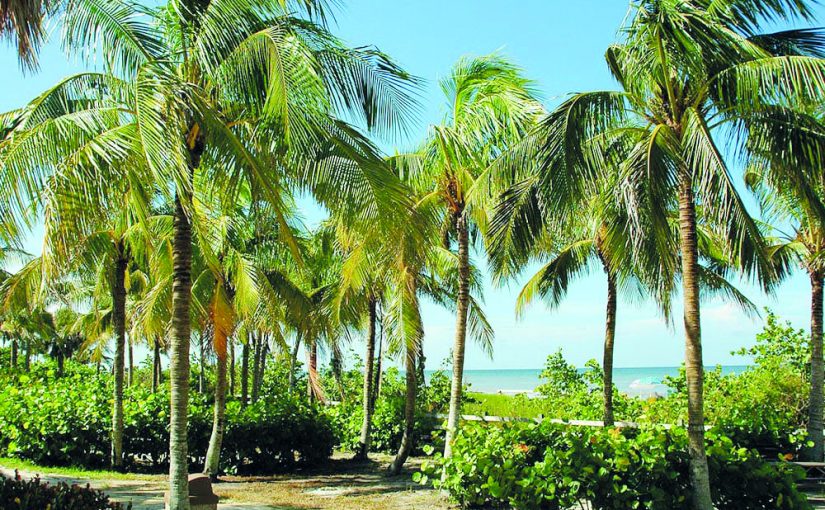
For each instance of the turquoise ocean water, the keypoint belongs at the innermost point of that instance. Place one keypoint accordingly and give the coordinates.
(633, 381)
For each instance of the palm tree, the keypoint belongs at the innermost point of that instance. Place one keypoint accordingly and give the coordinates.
(489, 106)
(692, 72)
(802, 243)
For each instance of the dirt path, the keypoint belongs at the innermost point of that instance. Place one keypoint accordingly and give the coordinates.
(340, 485)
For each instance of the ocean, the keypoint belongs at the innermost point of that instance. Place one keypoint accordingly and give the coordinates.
(640, 381)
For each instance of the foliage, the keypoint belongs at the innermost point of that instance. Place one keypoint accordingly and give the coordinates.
(66, 421)
(780, 344)
(19, 494)
(553, 467)
(388, 417)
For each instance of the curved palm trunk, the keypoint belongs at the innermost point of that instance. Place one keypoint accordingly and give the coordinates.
(609, 336)
(213, 453)
(179, 357)
(460, 331)
(314, 390)
(119, 323)
(815, 406)
(364, 441)
(409, 414)
(694, 368)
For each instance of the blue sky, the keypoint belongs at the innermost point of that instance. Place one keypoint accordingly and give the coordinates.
(560, 44)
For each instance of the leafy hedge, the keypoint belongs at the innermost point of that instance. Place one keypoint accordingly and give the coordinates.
(66, 421)
(19, 494)
(551, 466)
(388, 416)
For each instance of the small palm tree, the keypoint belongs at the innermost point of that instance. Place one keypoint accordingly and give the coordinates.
(490, 105)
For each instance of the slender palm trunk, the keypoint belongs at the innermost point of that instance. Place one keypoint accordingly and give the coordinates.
(119, 323)
(293, 363)
(27, 355)
(609, 336)
(263, 350)
(694, 368)
(202, 363)
(179, 350)
(231, 367)
(376, 387)
(336, 365)
(213, 453)
(409, 414)
(314, 390)
(460, 331)
(245, 374)
(131, 362)
(156, 367)
(14, 344)
(815, 406)
(364, 441)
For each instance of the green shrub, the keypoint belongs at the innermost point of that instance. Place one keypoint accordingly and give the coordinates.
(66, 420)
(19, 494)
(551, 466)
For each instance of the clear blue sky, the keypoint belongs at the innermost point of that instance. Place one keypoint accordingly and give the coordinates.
(561, 45)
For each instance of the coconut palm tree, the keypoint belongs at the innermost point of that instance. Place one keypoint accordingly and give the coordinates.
(801, 243)
(692, 74)
(489, 105)
(21, 23)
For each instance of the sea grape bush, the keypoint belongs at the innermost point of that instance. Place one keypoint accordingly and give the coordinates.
(66, 420)
(19, 494)
(550, 466)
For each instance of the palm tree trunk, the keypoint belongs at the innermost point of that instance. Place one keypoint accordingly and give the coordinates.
(14, 352)
(256, 363)
(815, 406)
(213, 453)
(232, 367)
(293, 363)
(131, 362)
(156, 367)
(409, 414)
(179, 357)
(364, 441)
(460, 331)
(202, 360)
(314, 390)
(609, 336)
(376, 388)
(27, 355)
(336, 366)
(261, 369)
(245, 374)
(694, 367)
(119, 324)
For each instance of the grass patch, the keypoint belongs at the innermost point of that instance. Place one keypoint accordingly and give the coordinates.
(515, 406)
(73, 472)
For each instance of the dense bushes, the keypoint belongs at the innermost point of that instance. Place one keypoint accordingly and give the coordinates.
(554, 467)
(388, 417)
(67, 421)
(19, 494)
